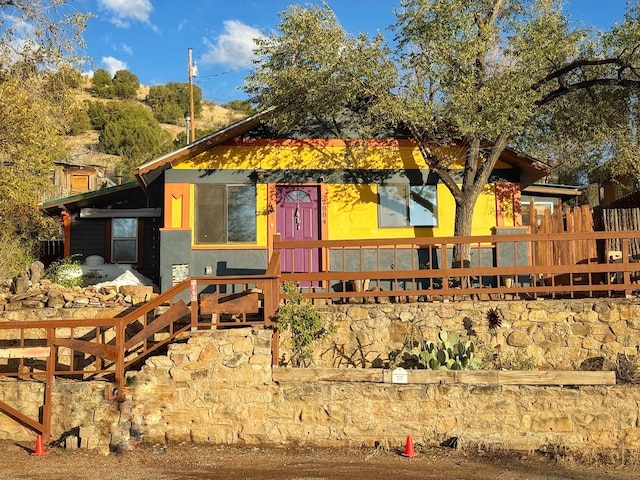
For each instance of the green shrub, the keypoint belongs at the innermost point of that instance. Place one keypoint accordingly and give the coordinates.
(125, 85)
(15, 256)
(305, 323)
(68, 272)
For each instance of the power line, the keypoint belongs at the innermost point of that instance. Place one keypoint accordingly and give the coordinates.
(242, 67)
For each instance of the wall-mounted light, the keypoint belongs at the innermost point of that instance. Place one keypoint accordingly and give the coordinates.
(259, 175)
(271, 209)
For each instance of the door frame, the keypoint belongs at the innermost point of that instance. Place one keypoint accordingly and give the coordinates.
(323, 227)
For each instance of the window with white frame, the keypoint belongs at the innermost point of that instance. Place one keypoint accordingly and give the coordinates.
(124, 240)
(225, 214)
(403, 205)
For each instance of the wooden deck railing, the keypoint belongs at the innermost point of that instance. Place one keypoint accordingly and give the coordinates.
(106, 348)
(499, 265)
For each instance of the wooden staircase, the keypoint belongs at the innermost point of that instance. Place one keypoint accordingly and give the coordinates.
(89, 349)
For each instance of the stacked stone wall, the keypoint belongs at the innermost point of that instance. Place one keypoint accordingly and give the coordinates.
(217, 387)
(551, 334)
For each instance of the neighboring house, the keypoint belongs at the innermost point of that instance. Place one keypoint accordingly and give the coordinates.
(116, 223)
(615, 190)
(224, 197)
(546, 196)
(70, 178)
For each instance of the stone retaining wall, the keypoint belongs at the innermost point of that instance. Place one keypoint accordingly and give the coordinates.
(551, 334)
(217, 387)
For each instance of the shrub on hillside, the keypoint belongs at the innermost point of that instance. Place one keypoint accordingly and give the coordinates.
(15, 256)
(170, 102)
(102, 84)
(125, 85)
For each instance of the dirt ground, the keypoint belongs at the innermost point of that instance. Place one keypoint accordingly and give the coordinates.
(198, 461)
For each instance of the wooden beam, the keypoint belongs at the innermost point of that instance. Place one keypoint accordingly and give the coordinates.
(175, 312)
(110, 352)
(21, 418)
(24, 352)
(327, 374)
(460, 377)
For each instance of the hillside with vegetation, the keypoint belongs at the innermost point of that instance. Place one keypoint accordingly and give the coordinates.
(119, 124)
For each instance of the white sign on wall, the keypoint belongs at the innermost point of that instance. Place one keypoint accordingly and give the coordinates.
(399, 375)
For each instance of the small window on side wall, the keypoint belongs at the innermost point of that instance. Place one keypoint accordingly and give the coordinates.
(124, 240)
(402, 205)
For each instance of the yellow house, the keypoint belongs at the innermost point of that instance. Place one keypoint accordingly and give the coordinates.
(225, 196)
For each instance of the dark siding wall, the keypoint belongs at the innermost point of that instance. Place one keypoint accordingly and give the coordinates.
(88, 237)
(150, 259)
(176, 250)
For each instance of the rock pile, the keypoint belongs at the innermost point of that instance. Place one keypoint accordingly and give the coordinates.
(30, 291)
(46, 294)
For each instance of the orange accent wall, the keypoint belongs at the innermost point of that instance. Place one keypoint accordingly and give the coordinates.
(176, 206)
(508, 205)
(66, 222)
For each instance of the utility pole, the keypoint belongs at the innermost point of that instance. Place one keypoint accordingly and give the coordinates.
(192, 116)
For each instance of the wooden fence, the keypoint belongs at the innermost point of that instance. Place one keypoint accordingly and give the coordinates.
(617, 219)
(566, 220)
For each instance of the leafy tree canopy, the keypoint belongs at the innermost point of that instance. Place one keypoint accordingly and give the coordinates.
(170, 102)
(478, 74)
(39, 41)
(125, 85)
(102, 83)
(243, 106)
(133, 133)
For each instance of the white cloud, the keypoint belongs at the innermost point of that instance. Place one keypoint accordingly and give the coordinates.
(234, 47)
(122, 12)
(112, 64)
(127, 49)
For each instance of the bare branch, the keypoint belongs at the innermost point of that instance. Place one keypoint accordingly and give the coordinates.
(565, 89)
(579, 64)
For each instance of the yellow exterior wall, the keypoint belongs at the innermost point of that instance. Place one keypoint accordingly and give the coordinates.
(311, 155)
(352, 209)
(353, 214)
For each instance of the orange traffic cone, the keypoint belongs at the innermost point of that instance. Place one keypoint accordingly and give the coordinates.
(408, 449)
(39, 446)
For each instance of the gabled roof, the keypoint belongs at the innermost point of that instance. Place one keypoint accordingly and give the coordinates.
(151, 170)
(105, 196)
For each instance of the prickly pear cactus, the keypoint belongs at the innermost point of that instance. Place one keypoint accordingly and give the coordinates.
(449, 354)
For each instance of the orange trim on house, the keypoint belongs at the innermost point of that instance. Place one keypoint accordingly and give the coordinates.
(66, 223)
(508, 208)
(271, 216)
(318, 142)
(174, 220)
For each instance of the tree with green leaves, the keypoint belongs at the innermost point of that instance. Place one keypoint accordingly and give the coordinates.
(476, 75)
(134, 134)
(39, 43)
(125, 85)
(170, 102)
(242, 106)
(102, 83)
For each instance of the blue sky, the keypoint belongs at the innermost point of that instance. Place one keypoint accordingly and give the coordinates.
(151, 38)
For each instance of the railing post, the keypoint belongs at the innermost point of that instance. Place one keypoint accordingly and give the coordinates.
(120, 341)
(626, 275)
(48, 383)
(193, 294)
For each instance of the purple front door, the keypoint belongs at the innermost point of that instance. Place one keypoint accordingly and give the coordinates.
(297, 218)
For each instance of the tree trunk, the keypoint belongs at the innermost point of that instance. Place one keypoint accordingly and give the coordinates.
(462, 228)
